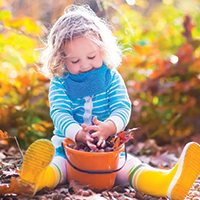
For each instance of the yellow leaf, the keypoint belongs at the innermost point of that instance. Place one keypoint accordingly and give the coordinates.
(25, 24)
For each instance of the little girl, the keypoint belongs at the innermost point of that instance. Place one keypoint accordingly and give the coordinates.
(88, 94)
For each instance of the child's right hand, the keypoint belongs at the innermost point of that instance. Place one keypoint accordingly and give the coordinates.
(85, 137)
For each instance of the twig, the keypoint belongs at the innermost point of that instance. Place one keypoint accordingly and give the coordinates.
(19, 147)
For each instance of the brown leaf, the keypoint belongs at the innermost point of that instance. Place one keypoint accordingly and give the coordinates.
(164, 160)
(149, 145)
(15, 188)
(76, 186)
(139, 195)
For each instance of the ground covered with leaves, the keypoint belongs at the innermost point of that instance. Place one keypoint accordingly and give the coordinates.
(11, 158)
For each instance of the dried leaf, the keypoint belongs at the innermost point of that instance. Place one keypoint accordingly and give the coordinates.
(10, 173)
(117, 143)
(15, 188)
(4, 135)
(139, 195)
(164, 160)
(76, 186)
(124, 137)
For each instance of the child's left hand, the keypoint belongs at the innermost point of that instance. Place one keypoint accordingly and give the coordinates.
(102, 130)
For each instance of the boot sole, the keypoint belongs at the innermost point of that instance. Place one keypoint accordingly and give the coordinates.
(36, 160)
(187, 172)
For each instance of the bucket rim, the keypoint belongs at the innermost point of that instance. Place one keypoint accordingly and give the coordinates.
(67, 148)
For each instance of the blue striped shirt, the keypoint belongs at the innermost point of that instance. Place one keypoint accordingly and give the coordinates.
(68, 115)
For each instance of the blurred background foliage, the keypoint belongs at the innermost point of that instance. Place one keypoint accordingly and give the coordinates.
(161, 65)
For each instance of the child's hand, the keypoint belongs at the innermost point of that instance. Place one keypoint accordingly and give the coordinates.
(102, 130)
(85, 137)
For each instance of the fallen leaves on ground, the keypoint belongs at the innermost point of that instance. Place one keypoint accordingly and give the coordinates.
(163, 157)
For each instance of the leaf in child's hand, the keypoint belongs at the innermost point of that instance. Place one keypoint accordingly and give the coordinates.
(4, 135)
(117, 143)
(124, 137)
(129, 134)
(15, 188)
(121, 139)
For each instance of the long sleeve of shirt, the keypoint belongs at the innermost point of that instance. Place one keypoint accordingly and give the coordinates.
(61, 111)
(119, 103)
(67, 115)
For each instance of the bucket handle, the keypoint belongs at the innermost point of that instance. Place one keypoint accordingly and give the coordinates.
(97, 171)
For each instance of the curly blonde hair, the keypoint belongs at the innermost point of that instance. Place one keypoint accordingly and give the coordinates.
(77, 21)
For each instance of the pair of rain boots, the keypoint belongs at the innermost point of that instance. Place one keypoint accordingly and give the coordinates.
(174, 183)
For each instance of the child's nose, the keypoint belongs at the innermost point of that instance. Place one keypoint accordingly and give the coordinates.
(85, 67)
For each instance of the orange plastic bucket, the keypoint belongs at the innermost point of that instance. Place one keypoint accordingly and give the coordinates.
(95, 169)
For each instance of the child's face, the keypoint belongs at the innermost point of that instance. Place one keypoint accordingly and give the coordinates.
(83, 55)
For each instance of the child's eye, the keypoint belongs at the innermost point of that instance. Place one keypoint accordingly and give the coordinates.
(74, 62)
(91, 57)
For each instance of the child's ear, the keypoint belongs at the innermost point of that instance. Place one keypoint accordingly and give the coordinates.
(103, 55)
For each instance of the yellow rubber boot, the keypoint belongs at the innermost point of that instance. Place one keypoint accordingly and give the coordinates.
(50, 178)
(35, 163)
(174, 183)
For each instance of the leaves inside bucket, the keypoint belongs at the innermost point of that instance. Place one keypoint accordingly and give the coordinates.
(113, 142)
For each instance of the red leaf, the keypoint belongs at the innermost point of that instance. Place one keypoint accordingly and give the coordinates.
(188, 26)
(185, 53)
(124, 137)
